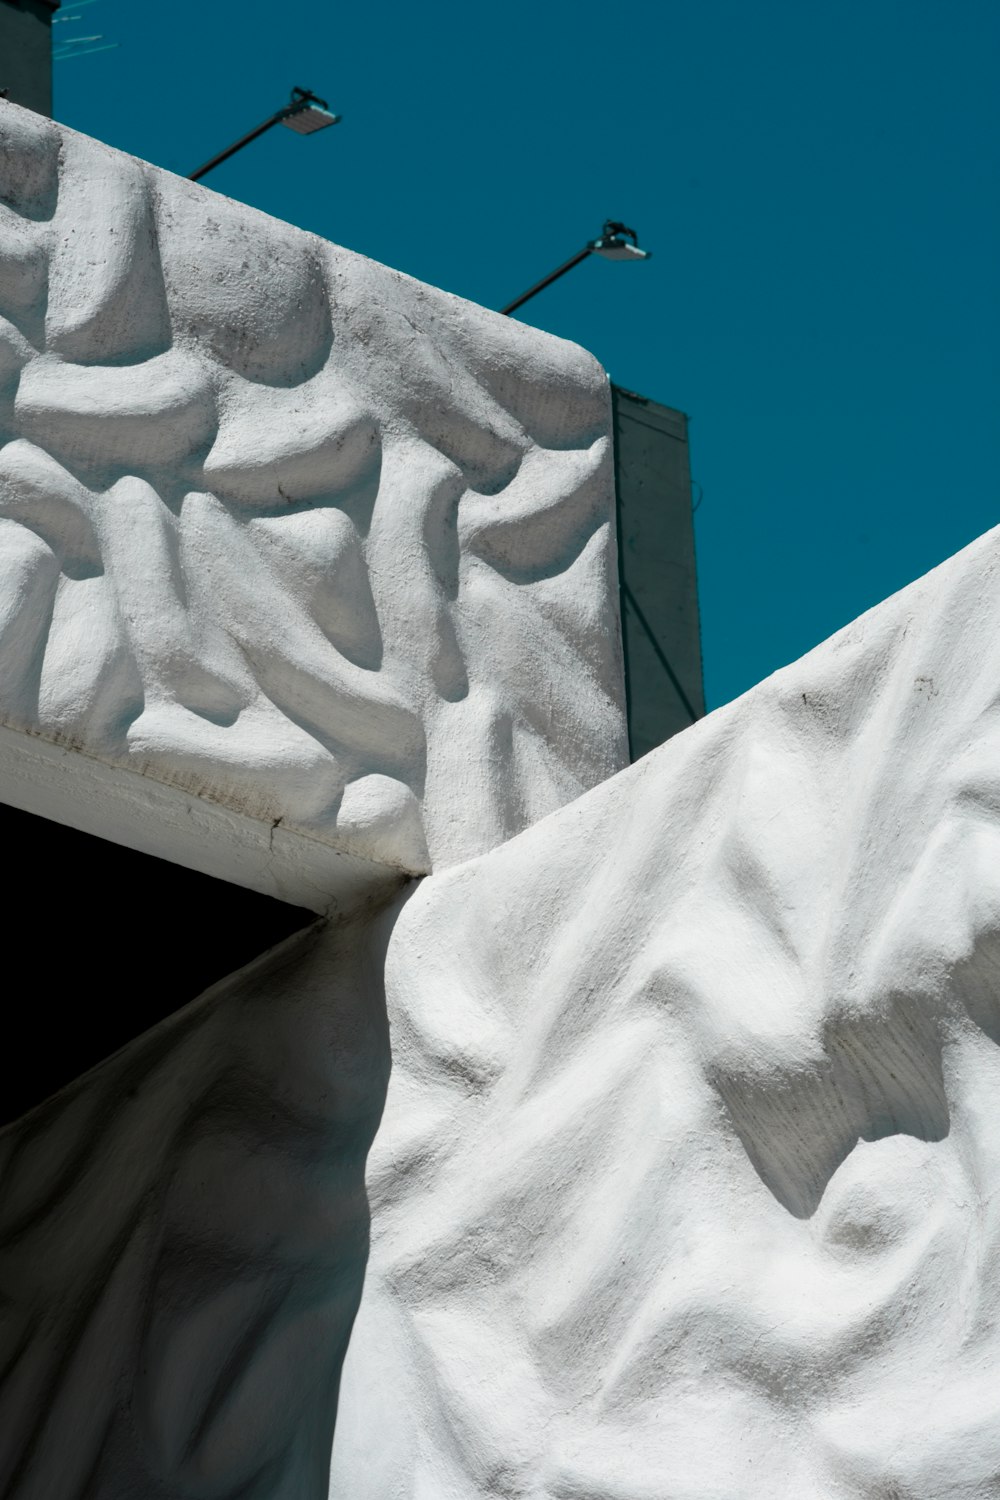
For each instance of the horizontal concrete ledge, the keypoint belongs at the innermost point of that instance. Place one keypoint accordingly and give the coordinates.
(128, 808)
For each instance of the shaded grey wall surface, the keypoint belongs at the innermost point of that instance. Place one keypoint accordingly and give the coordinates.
(184, 1232)
(26, 52)
(660, 625)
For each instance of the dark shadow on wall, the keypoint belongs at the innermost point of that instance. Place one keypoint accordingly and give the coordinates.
(880, 1075)
(184, 1233)
(103, 943)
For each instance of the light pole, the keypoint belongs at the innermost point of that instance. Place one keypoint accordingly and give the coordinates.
(305, 114)
(615, 242)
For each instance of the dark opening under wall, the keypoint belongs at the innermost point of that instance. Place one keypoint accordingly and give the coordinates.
(102, 943)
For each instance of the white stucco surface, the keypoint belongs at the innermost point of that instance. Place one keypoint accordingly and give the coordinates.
(285, 531)
(688, 1182)
(689, 1174)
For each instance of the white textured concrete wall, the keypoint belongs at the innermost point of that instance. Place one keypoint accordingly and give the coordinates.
(689, 1178)
(689, 1174)
(287, 532)
(307, 579)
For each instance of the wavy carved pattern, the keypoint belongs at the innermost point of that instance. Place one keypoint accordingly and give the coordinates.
(689, 1177)
(286, 529)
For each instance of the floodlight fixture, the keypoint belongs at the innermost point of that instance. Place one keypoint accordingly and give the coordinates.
(615, 242)
(305, 113)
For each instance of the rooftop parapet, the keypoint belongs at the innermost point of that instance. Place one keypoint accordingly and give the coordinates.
(307, 569)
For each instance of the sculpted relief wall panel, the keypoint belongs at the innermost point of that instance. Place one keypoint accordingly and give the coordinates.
(286, 533)
(689, 1177)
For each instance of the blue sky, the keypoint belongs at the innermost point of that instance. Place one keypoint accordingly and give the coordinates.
(818, 184)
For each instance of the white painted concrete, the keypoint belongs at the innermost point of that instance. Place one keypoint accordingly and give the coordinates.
(287, 531)
(122, 805)
(688, 1182)
(690, 1171)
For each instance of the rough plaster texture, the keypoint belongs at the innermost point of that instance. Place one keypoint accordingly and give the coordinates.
(289, 533)
(183, 1235)
(688, 1183)
(689, 1174)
